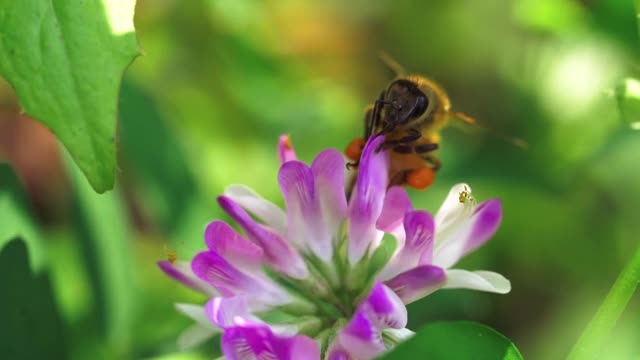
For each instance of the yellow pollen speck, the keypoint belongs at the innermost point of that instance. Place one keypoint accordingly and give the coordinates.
(465, 196)
(172, 256)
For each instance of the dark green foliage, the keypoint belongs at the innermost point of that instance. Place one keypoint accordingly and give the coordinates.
(32, 327)
(456, 341)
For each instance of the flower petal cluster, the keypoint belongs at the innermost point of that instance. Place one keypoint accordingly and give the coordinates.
(330, 277)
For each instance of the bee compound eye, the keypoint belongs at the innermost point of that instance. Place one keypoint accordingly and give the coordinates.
(422, 103)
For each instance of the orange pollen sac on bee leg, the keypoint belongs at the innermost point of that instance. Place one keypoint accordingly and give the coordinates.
(421, 178)
(354, 149)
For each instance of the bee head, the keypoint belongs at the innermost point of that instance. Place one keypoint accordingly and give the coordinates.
(407, 101)
(414, 99)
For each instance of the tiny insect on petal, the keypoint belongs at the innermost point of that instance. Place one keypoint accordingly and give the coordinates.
(172, 256)
(421, 178)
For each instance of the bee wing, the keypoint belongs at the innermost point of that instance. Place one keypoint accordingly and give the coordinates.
(466, 119)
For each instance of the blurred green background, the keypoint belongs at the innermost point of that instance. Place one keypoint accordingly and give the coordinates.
(222, 79)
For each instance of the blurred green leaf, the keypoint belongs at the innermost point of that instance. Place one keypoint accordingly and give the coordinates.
(456, 340)
(618, 20)
(15, 220)
(31, 325)
(154, 157)
(69, 276)
(550, 15)
(65, 60)
(157, 166)
(105, 236)
(181, 356)
(628, 96)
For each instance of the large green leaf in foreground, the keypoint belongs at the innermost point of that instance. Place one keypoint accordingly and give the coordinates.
(456, 341)
(31, 325)
(65, 60)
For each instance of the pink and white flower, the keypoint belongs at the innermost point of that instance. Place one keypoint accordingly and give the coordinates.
(330, 277)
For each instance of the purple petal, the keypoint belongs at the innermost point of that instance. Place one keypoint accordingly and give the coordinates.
(338, 353)
(268, 212)
(368, 198)
(487, 218)
(277, 253)
(363, 334)
(418, 245)
(328, 169)
(181, 271)
(237, 250)
(316, 203)
(285, 149)
(417, 283)
(258, 342)
(469, 233)
(384, 308)
(214, 269)
(223, 310)
(396, 205)
(362, 337)
(306, 226)
(419, 229)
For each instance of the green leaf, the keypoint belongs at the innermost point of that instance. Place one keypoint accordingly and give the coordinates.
(15, 220)
(628, 97)
(152, 155)
(31, 325)
(65, 60)
(106, 243)
(456, 340)
(382, 254)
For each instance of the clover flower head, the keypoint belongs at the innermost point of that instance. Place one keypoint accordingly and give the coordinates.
(330, 277)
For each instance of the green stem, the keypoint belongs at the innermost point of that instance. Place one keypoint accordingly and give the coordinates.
(598, 329)
(637, 6)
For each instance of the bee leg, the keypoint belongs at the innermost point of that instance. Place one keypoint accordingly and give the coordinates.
(399, 178)
(354, 149)
(425, 148)
(415, 135)
(436, 164)
(350, 186)
(402, 142)
(369, 121)
(375, 118)
(419, 149)
(402, 149)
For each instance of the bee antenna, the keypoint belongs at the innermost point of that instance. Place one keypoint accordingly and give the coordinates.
(393, 65)
(515, 141)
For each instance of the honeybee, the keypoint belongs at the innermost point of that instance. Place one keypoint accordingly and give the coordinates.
(410, 112)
